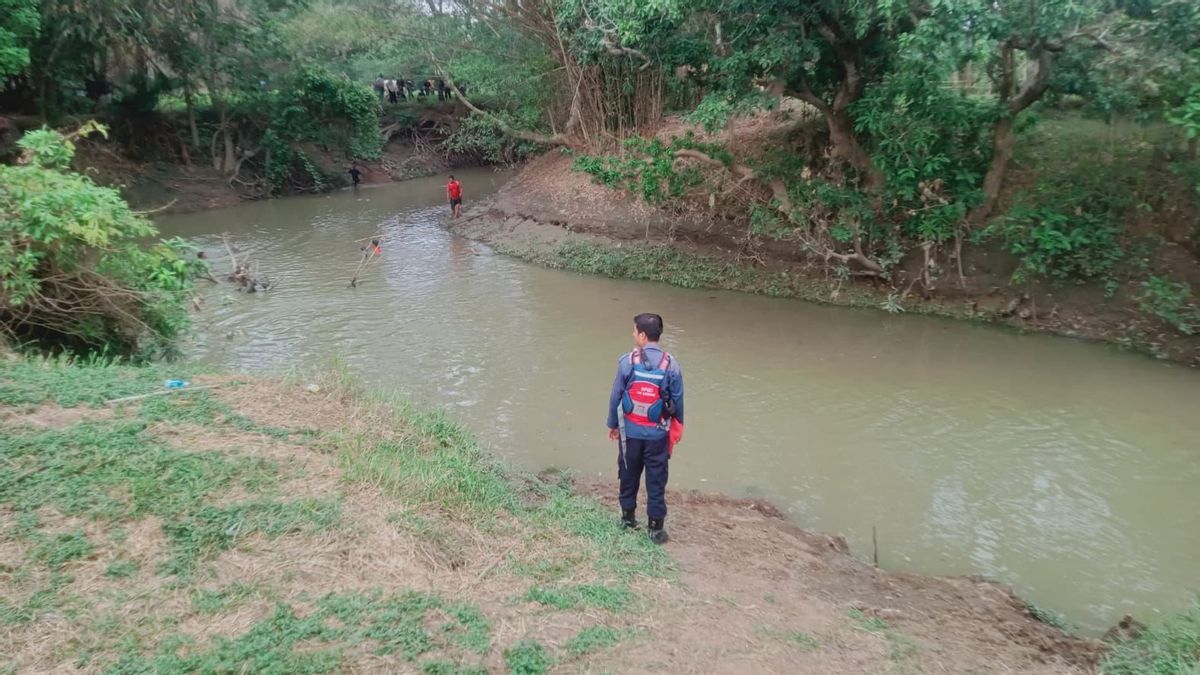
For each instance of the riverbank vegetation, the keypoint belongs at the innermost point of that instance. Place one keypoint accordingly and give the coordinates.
(261, 524)
(74, 272)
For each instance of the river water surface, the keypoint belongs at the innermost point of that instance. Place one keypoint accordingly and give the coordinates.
(1070, 471)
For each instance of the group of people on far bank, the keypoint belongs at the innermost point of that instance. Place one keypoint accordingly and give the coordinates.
(398, 89)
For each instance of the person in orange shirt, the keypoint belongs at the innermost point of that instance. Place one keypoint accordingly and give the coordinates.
(454, 192)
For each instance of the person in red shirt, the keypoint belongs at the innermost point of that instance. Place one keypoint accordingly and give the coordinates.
(454, 192)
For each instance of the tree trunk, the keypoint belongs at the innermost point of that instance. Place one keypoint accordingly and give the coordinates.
(1002, 152)
(1037, 78)
(191, 115)
(847, 148)
(230, 162)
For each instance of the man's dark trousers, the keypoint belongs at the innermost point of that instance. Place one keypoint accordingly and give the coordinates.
(653, 457)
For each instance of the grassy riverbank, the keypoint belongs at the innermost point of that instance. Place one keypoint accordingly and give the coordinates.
(259, 526)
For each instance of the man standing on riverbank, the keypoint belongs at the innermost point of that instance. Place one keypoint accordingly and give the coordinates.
(647, 394)
(454, 193)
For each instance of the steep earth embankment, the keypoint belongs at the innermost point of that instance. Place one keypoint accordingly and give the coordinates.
(560, 217)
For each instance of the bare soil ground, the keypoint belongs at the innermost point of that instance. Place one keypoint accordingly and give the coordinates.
(745, 590)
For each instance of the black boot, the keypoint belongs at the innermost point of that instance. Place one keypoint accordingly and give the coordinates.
(628, 519)
(657, 534)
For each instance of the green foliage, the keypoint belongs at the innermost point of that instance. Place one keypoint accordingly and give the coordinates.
(1187, 115)
(62, 548)
(109, 472)
(931, 143)
(210, 529)
(72, 382)
(1048, 616)
(611, 598)
(1171, 301)
(527, 657)
(317, 105)
(121, 569)
(287, 642)
(1170, 647)
(435, 462)
(220, 600)
(1069, 225)
(716, 109)
(648, 169)
(594, 639)
(73, 270)
(1051, 243)
(19, 23)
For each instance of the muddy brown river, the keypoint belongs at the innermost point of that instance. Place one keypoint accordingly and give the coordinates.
(1070, 471)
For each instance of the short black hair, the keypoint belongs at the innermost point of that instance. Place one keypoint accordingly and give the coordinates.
(650, 324)
(451, 176)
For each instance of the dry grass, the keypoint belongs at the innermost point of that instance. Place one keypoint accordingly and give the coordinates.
(522, 560)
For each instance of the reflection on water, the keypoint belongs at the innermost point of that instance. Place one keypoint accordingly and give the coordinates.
(1068, 470)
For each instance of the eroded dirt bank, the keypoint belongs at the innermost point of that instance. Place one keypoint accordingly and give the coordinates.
(558, 217)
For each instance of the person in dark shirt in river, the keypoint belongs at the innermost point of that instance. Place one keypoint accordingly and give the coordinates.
(645, 417)
(355, 174)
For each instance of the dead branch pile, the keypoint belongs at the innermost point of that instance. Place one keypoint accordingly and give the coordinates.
(244, 272)
(79, 310)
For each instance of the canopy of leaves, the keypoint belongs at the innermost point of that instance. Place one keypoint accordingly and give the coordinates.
(19, 23)
(73, 271)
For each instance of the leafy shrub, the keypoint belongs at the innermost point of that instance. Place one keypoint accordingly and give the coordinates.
(1050, 243)
(74, 274)
(648, 169)
(528, 657)
(1171, 301)
(315, 105)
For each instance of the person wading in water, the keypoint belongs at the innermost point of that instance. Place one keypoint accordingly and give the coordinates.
(645, 417)
(355, 174)
(454, 193)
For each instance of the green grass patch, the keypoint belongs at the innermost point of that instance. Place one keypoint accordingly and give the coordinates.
(219, 600)
(595, 638)
(611, 549)
(70, 383)
(527, 657)
(435, 461)
(665, 264)
(611, 598)
(45, 599)
(121, 569)
(210, 529)
(114, 470)
(900, 646)
(442, 667)
(1170, 647)
(313, 641)
(55, 551)
(803, 640)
